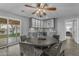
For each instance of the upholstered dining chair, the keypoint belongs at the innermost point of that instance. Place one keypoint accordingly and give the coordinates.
(54, 50)
(26, 49)
(23, 37)
(56, 37)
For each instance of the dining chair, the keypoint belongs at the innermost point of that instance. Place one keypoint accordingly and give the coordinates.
(56, 37)
(54, 50)
(26, 49)
(23, 37)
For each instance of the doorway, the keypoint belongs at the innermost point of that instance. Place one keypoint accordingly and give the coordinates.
(71, 29)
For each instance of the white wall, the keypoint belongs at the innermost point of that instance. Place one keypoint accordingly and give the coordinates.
(77, 36)
(61, 28)
(24, 20)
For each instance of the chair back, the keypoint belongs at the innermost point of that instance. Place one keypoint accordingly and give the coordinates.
(27, 49)
(56, 37)
(54, 50)
(23, 38)
(59, 48)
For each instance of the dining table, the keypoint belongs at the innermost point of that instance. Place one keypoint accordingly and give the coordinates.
(40, 43)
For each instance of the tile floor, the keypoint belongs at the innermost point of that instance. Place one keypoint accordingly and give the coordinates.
(71, 48)
(10, 51)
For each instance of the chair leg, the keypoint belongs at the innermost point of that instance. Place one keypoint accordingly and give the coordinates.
(62, 53)
(21, 54)
(44, 54)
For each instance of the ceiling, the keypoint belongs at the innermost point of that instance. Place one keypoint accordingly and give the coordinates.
(63, 9)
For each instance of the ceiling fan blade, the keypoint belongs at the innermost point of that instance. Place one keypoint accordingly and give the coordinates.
(44, 13)
(29, 6)
(45, 5)
(51, 8)
(38, 5)
(34, 12)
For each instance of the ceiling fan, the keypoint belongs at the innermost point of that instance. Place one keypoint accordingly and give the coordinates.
(41, 9)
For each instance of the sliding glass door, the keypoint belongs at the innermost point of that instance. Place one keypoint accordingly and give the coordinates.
(3, 32)
(13, 31)
(9, 31)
